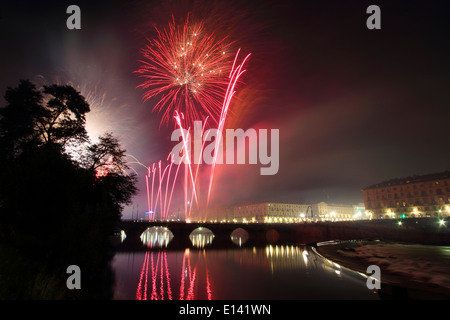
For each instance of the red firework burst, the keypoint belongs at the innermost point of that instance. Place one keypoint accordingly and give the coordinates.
(187, 69)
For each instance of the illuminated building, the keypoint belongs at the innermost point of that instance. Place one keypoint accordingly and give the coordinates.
(416, 196)
(274, 212)
(327, 211)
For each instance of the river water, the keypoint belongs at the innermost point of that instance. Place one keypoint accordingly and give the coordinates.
(201, 272)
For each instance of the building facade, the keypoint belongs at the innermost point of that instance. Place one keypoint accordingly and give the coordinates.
(274, 212)
(416, 196)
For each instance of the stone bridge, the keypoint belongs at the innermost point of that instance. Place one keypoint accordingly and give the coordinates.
(418, 230)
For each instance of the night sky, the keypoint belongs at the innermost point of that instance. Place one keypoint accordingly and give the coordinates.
(353, 106)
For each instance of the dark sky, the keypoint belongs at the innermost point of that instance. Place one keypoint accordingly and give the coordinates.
(353, 106)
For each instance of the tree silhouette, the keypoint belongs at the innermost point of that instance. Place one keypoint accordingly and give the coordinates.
(66, 209)
(64, 117)
(106, 155)
(33, 118)
(18, 119)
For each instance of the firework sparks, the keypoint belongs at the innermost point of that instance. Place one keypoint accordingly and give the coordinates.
(187, 69)
(235, 74)
(191, 174)
(165, 180)
(192, 76)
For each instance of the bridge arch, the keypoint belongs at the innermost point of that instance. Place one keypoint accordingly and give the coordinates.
(272, 235)
(223, 233)
(156, 236)
(239, 236)
(201, 237)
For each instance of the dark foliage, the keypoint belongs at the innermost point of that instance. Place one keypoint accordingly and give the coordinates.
(55, 211)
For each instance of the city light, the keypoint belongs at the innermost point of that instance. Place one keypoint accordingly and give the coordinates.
(312, 93)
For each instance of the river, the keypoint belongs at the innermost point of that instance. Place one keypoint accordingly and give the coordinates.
(201, 272)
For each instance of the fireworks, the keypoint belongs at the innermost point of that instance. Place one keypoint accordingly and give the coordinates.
(191, 174)
(235, 74)
(186, 69)
(192, 76)
(163, 187)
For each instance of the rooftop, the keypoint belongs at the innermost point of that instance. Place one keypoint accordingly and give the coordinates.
(296, 203)
(411, 179)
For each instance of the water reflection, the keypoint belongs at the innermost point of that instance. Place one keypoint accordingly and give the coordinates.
(156, 237)
(289, 257)
(155, 281)
(201, 237)
(270, 272)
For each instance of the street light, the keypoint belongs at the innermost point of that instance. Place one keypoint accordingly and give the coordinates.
(390, 213)
(333, 215)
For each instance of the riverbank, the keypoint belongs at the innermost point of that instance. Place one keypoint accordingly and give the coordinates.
(408, 271)
(31, 269)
